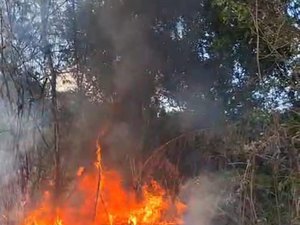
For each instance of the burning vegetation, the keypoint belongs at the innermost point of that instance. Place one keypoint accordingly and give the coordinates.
(196, 104)
(101, 198)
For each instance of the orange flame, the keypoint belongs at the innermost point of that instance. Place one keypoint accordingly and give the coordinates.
(102, 199)
(80, 171)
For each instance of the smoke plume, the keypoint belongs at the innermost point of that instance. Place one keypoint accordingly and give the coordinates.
(17, 139)
(203, 196)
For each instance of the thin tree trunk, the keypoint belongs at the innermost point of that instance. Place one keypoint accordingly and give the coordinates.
(79, 77)
(53, 81)
(2, 47)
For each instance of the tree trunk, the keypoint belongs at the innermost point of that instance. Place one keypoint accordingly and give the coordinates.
(53, 81)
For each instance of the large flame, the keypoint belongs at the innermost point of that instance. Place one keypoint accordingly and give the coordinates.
(101, 199)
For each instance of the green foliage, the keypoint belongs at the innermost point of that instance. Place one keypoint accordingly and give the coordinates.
(135, 60)
(261, 171)
(233, 10)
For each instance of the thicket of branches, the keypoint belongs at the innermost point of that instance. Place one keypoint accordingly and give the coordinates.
(186, 86)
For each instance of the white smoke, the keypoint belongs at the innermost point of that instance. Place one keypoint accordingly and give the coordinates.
(16, 137)
(203, 195)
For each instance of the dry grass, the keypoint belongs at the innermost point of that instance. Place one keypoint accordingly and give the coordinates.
(264, 172)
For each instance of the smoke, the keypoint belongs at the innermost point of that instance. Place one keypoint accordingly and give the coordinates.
(129, 33)
(131, 82)
(130, 45)
(16, 138)
(126, 68)
(203, 196)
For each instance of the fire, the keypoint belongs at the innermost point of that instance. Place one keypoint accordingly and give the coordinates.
(58, 221)
(80, 171)
(102, 199)
(132, 220)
